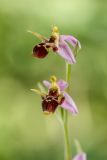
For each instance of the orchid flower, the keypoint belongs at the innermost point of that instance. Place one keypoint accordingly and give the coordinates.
(56, 96)
(56, 43)
(80, 156)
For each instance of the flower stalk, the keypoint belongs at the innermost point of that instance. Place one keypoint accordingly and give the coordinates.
(66, 135)
(65, 122)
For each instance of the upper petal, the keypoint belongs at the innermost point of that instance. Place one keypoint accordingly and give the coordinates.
(47, 84)
(65, 51)
(69, 104)
(72, 40)
(62, 85)
(80, 156)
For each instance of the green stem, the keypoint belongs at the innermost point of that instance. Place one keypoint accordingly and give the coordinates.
(67, 142)
(68, 73)
(66, 131)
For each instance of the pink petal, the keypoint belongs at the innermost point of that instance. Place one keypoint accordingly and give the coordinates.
(47, 84)
(69, 104)
(80, 156)
(72, 40)
(65, 51)
(62, 85)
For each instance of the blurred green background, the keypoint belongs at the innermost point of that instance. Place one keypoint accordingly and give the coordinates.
(25, 133)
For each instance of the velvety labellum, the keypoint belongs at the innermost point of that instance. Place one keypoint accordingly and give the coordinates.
(40, 51)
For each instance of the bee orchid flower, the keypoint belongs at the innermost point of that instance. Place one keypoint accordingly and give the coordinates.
(56, 96)
(57, 43)
(80, 156)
